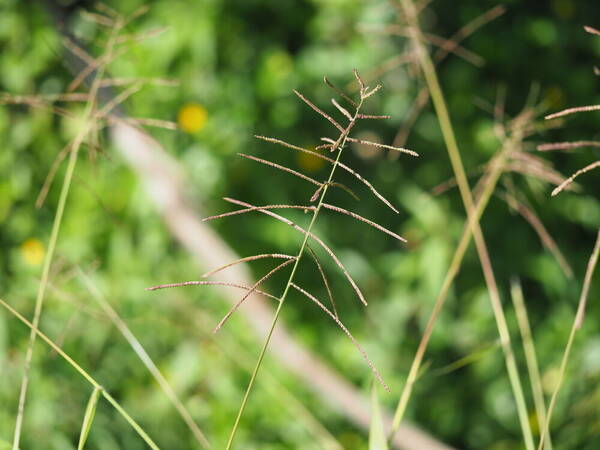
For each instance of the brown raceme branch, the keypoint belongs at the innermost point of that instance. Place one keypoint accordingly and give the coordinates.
(570, 180)
(341, 325)
(576, 109)
(319, 111)
(340, 165)
(362, 219)
(247, 259)
(324, 278)
(210, 283)
(280, 167)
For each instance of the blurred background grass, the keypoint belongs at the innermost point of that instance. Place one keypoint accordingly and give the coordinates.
(237, 62)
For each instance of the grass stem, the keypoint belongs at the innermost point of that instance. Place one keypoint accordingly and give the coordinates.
(88, 123)
(591, 267)
(449, 137)
(530, 357)
(145, 358)
(342, 142)
(85, 375)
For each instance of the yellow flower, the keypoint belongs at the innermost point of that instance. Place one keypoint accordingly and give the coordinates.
(192, 117)
(310, 162)
(33, 251)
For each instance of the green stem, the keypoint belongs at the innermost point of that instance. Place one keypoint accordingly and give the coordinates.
(41, 292)
(146, 360)
(263, 351)
(591, 267)
(530, 356)
(447, 129)
(84, 374)
(88, 118)
(451, 274)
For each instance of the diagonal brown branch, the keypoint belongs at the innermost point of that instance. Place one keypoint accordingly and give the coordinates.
(247, 259)
(576, 109)
(341, 325)
(387, 147)
(570, 180)
(319, 111)
(362, 219)
(283, 168)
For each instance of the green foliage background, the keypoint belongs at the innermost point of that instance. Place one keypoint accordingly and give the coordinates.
(240, 60)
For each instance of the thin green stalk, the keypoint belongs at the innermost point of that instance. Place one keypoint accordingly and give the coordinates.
(263, 351)
(64, 193)
(447, 129)
(451, 274)
(145, 358)
(85, 375)
(41, 292)
(238, 355)
(530, 356)
(591, 267)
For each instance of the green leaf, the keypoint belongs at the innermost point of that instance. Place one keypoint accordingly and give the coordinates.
(90, 412)
(377, 439)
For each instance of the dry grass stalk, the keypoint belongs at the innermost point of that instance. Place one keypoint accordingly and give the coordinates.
(343, 110)
(447, 47)
(320, 112)
(88, 119)
(334, 145)
(434, 87)
(444, 44)
(256, 208)
(591, 266)
(385, 146)
(470, 28)
(568, 145)
(592, 262)
(154, 165)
